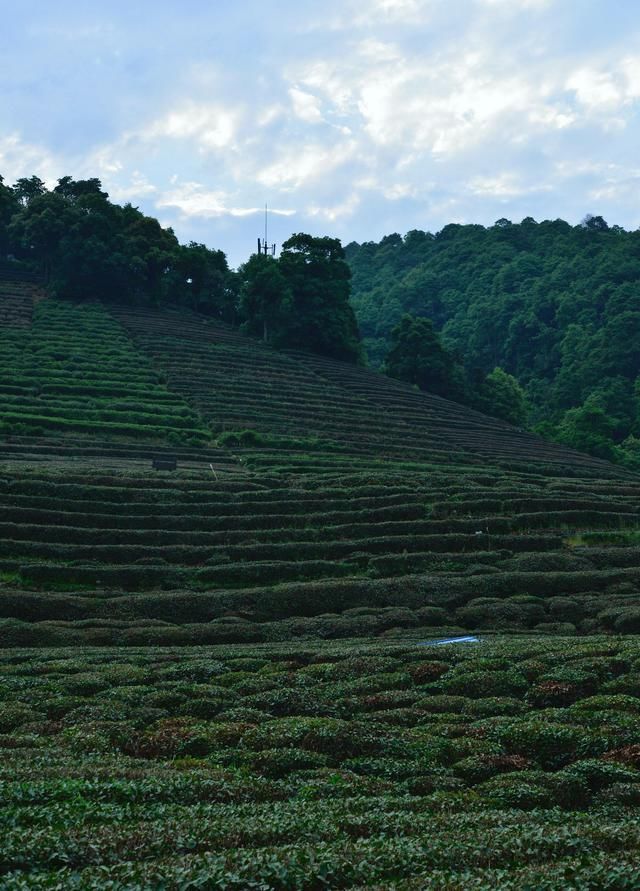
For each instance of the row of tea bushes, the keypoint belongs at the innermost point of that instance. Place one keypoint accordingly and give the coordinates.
(179, 618)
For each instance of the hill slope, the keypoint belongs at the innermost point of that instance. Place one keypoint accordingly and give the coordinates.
(553, 304)
(312, 501)
(312, 498)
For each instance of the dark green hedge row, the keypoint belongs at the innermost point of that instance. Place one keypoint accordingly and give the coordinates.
(304, 598)
(145, 577)
(11, 420)
(370, 540)
(527, 505)
(67, 624)
(399, 551)
(224, 503)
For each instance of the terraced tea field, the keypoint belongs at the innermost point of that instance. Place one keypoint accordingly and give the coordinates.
(321, 499)
(213, 677)
(71, 369)
(113, 559)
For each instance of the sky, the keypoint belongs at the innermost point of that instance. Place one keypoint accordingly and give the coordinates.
(350, 118)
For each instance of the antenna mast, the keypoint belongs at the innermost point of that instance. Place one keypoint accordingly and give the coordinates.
(269, 250)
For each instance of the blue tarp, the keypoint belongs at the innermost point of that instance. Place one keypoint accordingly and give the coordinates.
(448, 640)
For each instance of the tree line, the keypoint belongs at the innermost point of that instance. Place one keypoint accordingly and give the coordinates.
(88, 247)
(550, 309)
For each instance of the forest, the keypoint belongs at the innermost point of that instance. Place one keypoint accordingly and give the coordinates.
(552, 305)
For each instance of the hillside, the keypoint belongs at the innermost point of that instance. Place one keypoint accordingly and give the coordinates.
(232, 674)
(552, 304)
(312, 498)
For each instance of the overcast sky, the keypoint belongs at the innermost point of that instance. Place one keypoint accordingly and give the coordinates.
(352, 119)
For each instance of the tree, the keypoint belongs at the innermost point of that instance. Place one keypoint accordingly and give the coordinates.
(418, 357)
(588, 429)
(37, 230)
(594, 223)
(73, 189)
(26, 189)
(265, 297)
(8, 207)
(503, 397)
(318, 278)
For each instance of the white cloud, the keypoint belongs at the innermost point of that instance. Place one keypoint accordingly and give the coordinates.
(297, 167)
(137, 187)
(305, 106)
(440, 105)
(503, 186)
(595, 89)
(358, 15)
(403, 10)
(517, 5)
(20, 158)
(193, 199)
(553, 117)
(269, 115)
(209, 126)
(338, 211)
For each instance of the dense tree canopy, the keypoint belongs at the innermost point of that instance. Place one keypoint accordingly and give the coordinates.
(319, 278)
(301, 300)
(265, 297)
(87, 246)
(557, 307)
(418, 357)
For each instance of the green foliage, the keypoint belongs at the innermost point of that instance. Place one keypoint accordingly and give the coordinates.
(502, 396)
(81, 374)
(588, 429)
(318, 279)
(88, 247)
(553, 306)
(121, 786)
(416, 355)
(265, 297)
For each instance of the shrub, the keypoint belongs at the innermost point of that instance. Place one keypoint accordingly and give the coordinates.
(627, 755)
(277, 763)
(597, 774)
(511, 791)
(442, 704)
(466, 681)
(201, 707)
(479, 768)
(425, 672)
(550, 744)
(625, 794)
(565, 609)
(486, 612)
(628, 621)
(16, 714)
(494, 705)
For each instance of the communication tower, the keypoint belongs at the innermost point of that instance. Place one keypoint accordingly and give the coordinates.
(268, 250)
